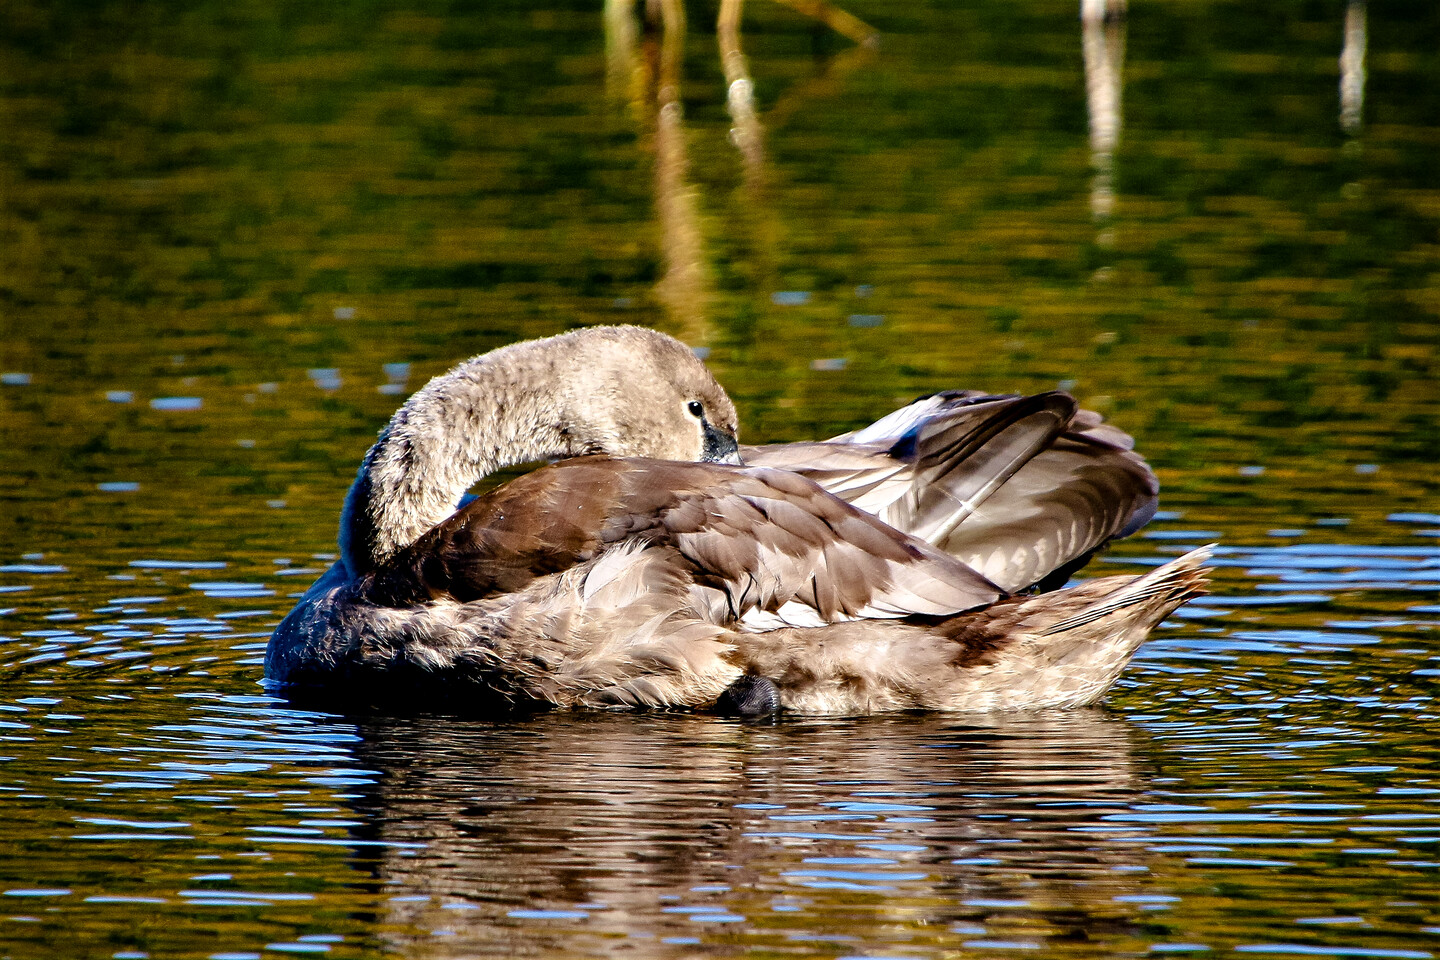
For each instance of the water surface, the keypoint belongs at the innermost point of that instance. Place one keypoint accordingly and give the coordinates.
(236, 236)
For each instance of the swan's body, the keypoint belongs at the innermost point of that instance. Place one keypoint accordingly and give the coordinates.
(628, 576)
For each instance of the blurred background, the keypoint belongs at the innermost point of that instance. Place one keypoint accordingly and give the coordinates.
(234, 236)
(295, 214)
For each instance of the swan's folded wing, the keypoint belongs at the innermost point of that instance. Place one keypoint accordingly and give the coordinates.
(1020, 488)
(761, 539)
(537, 524)
(1047, 520)
(926, 467)
(770, 540)
(874, 467)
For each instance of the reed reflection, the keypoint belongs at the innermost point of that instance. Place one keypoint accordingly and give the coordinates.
(1352, 68)
(593, 826)
(650, 76)
(1103, 39)
(747, 134)
(623, 75)
(644, 68)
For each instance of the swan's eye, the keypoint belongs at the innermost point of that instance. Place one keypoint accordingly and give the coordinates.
(697, 410)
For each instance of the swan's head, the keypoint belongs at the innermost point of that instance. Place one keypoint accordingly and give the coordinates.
(632, 392)
(623, 391)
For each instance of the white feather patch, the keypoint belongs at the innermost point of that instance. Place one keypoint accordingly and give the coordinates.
(792, 614)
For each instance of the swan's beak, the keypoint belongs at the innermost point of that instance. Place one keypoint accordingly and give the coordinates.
(720, 447)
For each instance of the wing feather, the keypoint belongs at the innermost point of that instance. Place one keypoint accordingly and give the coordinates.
(757, 537)
(1023, 489)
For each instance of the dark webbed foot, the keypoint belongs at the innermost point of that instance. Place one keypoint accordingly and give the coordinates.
(749, 696)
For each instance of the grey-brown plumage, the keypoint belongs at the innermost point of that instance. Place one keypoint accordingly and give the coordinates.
(1019, 488)
(618, 390)
(631, 574)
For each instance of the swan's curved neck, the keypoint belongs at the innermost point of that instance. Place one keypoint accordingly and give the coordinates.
(484, 415)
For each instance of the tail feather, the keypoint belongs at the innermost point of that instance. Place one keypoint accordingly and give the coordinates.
(1175, 582)
(1062, 649)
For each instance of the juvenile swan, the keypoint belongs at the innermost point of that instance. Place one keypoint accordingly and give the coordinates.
(875, 571)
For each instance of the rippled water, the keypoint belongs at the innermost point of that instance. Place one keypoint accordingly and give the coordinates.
(235, 236)
(1263, 782)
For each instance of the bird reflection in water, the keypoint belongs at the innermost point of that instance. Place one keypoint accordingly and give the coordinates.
(575, 829)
